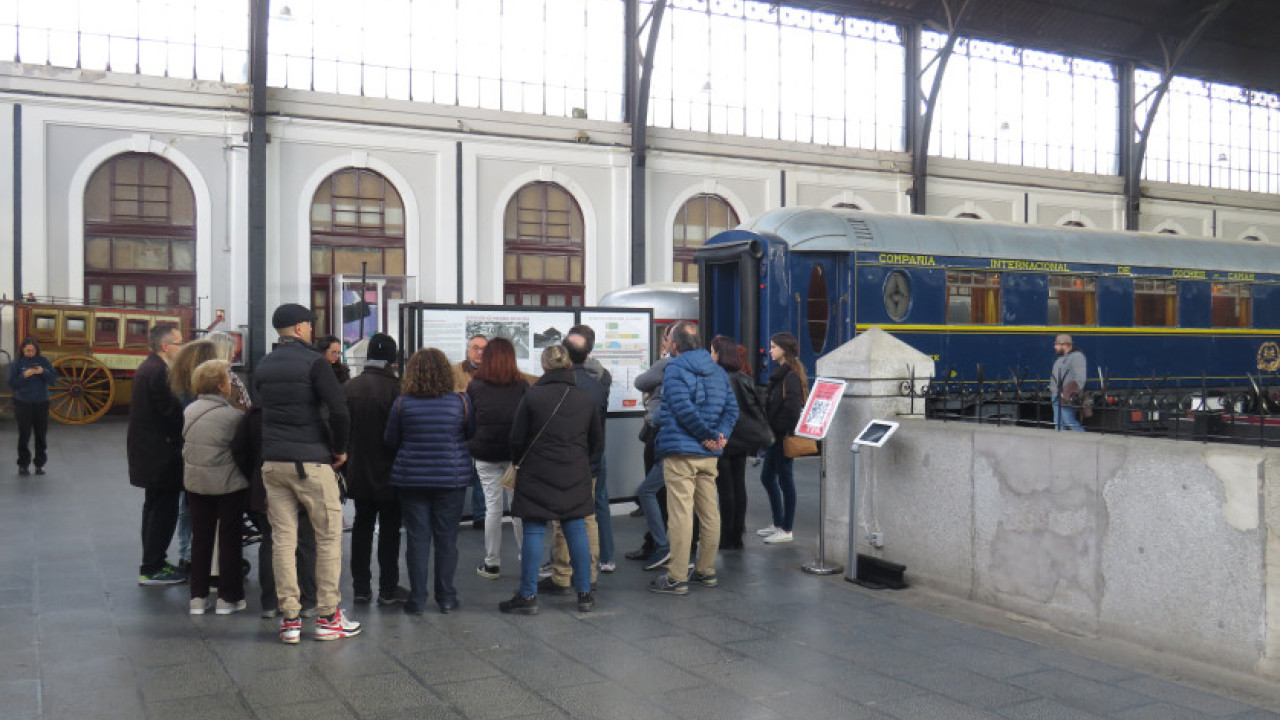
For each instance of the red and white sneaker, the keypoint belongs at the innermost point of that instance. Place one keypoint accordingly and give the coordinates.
(290, 630)
(336, 626)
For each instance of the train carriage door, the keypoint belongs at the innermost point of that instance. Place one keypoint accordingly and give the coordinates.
(729, 288)
(821, 303)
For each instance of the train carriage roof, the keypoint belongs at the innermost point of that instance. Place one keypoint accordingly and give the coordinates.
(838, 230)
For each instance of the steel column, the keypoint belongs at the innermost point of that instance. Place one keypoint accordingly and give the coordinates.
(639, 74)
(260, 16)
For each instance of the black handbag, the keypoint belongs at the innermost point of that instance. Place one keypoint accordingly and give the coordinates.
(752, 430)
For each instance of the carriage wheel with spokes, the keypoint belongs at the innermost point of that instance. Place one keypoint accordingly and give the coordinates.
(82, 392)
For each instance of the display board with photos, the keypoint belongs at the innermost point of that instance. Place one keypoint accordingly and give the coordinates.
(622, 337)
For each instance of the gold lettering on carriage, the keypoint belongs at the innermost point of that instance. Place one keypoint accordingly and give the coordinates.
(1200, 274)
(1029, 265)
(1240, 276)
(898, 259)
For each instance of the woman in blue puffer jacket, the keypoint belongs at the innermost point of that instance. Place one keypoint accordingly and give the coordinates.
(428, 430)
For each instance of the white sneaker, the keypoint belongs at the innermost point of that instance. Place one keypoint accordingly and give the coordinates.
(199, 605)
(226, 608)
(608, 567)
(767, 531)
(336, 626)
(782, 536)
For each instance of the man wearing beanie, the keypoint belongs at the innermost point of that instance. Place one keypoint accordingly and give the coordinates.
(301, 450)
(369, 399)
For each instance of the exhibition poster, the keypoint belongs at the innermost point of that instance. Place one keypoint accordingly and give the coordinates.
(622, 346)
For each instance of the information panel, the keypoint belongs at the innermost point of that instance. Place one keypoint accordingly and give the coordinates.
(622, 337)
(622, 346)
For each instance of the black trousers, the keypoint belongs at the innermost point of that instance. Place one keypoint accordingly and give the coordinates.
(368, 513)
(159, 519)
(731, 482)
(305, 557)
(218, 515)
(33, 419)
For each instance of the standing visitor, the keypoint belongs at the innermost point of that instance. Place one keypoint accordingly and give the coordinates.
(428, 429)
(784, 401)
(29, 378)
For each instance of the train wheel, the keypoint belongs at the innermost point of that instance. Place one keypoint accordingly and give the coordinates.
(82, 392)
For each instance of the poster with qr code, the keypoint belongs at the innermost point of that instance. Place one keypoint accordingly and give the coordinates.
(820, 408)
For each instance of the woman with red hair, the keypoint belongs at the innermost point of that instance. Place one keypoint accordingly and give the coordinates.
(495, 392)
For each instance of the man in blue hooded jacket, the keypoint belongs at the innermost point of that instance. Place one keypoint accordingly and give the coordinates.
(698, 415)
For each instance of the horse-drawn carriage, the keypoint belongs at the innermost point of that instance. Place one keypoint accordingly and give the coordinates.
(95, 350)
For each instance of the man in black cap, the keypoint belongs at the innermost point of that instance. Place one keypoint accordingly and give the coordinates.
(301, 450)
(369, 399)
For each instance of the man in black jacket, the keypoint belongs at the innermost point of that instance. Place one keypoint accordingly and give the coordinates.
(154, 447)
(301, 450)
(370, 397)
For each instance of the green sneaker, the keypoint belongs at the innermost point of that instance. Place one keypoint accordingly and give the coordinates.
(167, 575)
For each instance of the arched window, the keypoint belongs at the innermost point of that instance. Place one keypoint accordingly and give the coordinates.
(847, 206)
(357, 222)
(543, 248)
(1073, 223)
(139, 234)
(701, 217)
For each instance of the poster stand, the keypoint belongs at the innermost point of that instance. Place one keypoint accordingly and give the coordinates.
(815, 420)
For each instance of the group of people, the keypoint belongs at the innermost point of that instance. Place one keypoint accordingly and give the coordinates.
(751, 425)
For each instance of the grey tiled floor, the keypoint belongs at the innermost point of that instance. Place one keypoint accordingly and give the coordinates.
(83, 640)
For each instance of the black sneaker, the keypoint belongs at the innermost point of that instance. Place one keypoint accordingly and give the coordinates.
(586, 602)
(547, 586)
(708, 580)
(39, 470)
(489, 572)
(667, 586)
(642, 554)
(22, 470)
(362, 597)
(658, 560)
(395, 597)
(519, 605)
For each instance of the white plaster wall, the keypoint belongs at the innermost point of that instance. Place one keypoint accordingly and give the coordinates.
(873, 191)
(750, 189)
(1181, 217)
(989, 201)
(1049, 207)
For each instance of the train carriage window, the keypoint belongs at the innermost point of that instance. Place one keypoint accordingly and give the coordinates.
(75, 325)
(1155, 303)
(819, 309)
(106, 331)
(46, 322)
(1073, 300)
(1232, 305)
(135, 332)
(973, 298)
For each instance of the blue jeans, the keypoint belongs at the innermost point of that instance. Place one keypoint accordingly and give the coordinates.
(779, 486)
(431, 515)
(1064, 417)
(184, 530)
(604, 520)
(575, 535)
(647, 496)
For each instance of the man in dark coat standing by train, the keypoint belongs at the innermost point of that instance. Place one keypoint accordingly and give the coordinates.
(698, 414)
(1066, 382)
(154, 447)
(370, 396)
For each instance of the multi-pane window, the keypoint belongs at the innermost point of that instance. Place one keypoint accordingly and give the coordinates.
(1212, 134)
(973, 298)
(204, 39)
(139, 234)
(1231, 305)
(1073, 300)
(1155, 303)
(818, 306)
(758, 69)
(701, 217)
(357, 226)
(1013, 105)
(543, 240)
(549, 57)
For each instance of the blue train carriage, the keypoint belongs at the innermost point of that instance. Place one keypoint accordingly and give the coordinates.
(985, 299)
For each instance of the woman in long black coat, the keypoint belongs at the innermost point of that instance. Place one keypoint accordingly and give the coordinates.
(556, 432)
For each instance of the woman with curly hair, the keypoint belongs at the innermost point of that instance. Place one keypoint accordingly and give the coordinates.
(428, 430)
